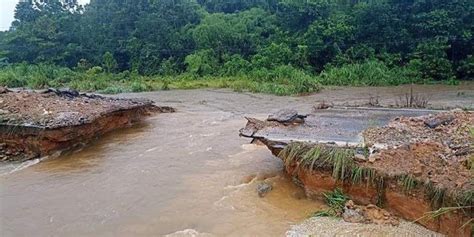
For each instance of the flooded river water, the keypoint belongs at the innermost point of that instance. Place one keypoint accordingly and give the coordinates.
(181, 174)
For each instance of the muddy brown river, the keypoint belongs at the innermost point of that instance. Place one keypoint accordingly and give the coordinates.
(181, 174)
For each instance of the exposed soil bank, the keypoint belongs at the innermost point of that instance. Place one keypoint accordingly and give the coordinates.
(410, 167)
(37, 124)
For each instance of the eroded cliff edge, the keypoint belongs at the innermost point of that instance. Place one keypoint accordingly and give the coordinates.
(35, 124)
(409, 162)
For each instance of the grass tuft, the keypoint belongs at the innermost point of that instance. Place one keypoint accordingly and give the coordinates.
(335, 200)
(338, 159)
(436, 195)
(444, 211)
(408, 182)
(362, 174)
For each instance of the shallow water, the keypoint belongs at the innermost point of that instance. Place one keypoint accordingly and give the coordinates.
(181, 174)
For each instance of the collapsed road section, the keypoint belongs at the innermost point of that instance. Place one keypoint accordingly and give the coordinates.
(416, 164)
(35, 124)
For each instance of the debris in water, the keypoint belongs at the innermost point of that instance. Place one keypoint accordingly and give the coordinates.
(263, 189)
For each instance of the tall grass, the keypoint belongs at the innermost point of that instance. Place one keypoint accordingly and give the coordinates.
(281, 80)
(285, 81)
(369, 73)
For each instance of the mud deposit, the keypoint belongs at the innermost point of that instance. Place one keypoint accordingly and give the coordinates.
(178, 174)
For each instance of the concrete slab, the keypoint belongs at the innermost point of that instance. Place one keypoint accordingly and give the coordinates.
(336, 125)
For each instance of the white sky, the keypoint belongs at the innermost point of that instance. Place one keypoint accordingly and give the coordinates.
(7, 8)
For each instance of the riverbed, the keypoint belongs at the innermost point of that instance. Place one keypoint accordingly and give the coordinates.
(182, 174)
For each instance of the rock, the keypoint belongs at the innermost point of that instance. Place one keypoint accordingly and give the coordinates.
(350, 204)
(166, 109)
(287, 116)
(3, 90)
(360, 157)
(65, 92)
(253, 125)
(417, 172)
(263, 189)
(68, 92)
(463, 151)
(353, 215)
(439, 120)
(371, 206)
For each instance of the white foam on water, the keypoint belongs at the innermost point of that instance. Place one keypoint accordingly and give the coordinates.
(15, 167)
(152, 149)
(239, 186)
(187, 233)
(10, 169)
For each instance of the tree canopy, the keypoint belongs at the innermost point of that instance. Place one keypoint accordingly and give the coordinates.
(432, 39)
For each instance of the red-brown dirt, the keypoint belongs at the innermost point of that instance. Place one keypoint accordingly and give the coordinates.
(410, 207)
(37, 124)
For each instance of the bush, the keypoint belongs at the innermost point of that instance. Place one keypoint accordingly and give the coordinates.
(203, 62)
(370, 73)
(35, 76)
(235, 66)
(431, 61)
(465, 69)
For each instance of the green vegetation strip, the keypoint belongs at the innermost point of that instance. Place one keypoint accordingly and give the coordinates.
(281, 47)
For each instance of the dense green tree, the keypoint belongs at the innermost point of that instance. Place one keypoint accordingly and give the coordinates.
(430, 59)
(203, 62)
(109, 62)
(297, 15)
(240, 33)
(161, 33)
(255, 38)
(231, 6)
(327, 38)
(466, 68)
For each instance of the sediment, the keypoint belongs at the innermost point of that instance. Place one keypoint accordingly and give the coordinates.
(35, 124)
(410, 166)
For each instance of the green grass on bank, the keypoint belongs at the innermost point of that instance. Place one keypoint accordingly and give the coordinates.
(287, 81)
(284, 80)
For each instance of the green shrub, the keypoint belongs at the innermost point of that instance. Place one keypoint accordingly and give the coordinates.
(369, 73)
(203, 62)
(335, 200)
(431, 61)
(112, 90)
(235, 66)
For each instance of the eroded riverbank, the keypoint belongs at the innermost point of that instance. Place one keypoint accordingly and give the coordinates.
(184, 172)
(36, 124)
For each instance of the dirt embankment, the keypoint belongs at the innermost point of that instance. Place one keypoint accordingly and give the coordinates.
(37, 124)
(412, 166)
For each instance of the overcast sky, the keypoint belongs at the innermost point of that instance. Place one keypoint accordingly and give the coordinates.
(7, 8)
